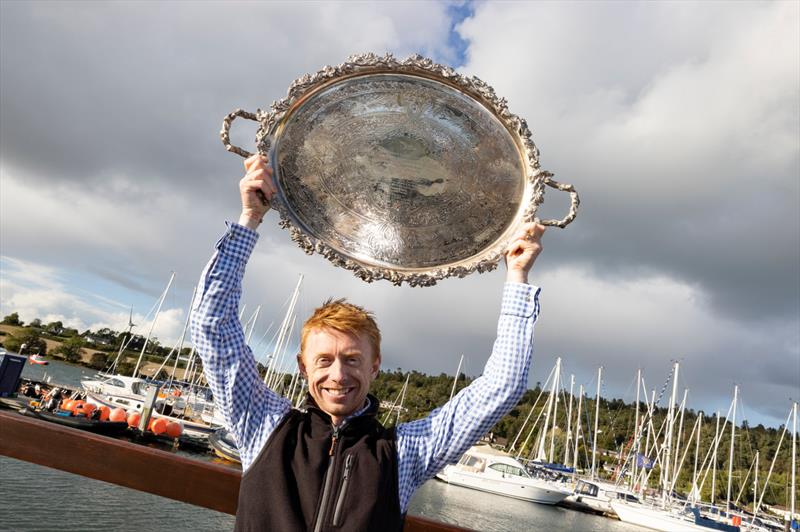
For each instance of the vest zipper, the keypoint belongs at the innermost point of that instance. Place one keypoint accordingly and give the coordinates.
(348, 465)
(323, 500)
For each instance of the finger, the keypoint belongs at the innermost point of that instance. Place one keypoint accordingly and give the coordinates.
(535, 231)
(259, 174)
(255, 161)
(250, 160)
(514, 249)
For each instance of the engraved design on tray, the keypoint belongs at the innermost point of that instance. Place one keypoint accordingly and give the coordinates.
(399, 171)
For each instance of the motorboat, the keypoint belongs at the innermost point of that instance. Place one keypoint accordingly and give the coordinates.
(487, 469)
(595, 496)
(119, 391)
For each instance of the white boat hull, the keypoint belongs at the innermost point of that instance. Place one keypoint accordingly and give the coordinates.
(190, 428)
(532, 490)
(589, 503)
(653, 518)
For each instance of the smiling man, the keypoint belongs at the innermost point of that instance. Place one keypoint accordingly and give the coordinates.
(332, 465)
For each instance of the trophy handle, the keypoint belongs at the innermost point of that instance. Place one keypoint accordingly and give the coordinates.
(226, 130)
(574, 201)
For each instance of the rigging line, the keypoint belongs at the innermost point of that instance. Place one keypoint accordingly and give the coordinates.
(541, 391)
(258, 342)
(533, 427)
(714, 445)
(685, 452)
(744, 482)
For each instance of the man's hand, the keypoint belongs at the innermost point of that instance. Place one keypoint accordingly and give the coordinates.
(522, 252)
(256, 189)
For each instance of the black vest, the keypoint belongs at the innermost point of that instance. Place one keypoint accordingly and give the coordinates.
(311, 477)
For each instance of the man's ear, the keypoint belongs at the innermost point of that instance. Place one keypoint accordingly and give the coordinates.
(301, 365)
(376, 367)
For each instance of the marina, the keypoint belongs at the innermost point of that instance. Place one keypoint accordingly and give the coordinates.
(499, 476)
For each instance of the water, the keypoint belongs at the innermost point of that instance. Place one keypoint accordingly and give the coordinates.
(36, 498)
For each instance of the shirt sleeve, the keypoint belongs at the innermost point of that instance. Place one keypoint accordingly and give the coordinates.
(250, 409)
(426, 445)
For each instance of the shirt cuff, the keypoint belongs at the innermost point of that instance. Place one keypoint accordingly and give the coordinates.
(520, 300)
(238, 241)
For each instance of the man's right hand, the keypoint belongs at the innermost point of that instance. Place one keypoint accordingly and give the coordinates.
(258, 178)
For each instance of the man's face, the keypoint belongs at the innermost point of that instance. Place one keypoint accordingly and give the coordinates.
(339, 368)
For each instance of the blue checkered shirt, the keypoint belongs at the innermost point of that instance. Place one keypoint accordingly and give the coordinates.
(252, 411)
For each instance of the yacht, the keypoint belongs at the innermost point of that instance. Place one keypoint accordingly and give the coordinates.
(487, 469)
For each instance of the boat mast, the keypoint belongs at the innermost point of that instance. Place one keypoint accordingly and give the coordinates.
(757, 507)
(253, 324)
(650, 411)
(794, 455)
(755, 481)
(126, 340)
(668, 444)
(577, 428)
(152, 325)
(714, 463)
(455, 381)
(680, 435)
(183, 337)
(540, 454)
(568, 440)
(696, 456)
(636, 436)
(556, 389)
(402, 400)
(730, 457)
(596, 420)
(287, 319)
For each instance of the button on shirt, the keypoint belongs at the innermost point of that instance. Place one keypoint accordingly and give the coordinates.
(252, 410)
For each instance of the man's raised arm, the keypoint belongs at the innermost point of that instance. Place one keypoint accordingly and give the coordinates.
(250, 409)
(425, 446)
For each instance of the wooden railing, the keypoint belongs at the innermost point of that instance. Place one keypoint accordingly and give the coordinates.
(135, 466)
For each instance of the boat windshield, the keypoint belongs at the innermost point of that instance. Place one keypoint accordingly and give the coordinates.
(136, 388)
(115, 382)
(510, 470)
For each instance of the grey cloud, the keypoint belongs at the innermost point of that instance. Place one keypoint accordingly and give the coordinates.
(708, 198)
(109, 136)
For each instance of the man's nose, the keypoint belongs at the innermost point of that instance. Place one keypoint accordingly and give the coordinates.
(338, 371)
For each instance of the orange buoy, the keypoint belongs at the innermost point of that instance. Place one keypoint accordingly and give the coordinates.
(105, 412)
(76, 406)
(66, 404)
(158, 425)
(88, 408)
(118, 414)
(174, 429)
(133, 419)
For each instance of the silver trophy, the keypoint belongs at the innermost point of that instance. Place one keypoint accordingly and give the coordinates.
(401, 170)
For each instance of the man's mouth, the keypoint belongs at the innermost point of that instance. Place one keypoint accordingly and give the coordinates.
(338, 392)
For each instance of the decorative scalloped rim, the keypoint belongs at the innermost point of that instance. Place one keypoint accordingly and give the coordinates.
(489, 258)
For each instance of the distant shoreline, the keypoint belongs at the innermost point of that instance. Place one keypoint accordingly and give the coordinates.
(147, 368)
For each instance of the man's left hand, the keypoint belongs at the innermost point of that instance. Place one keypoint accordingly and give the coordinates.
(522, 252)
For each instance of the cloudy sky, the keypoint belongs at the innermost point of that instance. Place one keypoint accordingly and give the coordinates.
(679, 124)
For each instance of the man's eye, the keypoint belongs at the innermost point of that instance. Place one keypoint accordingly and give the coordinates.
(323, 361)
(353, 361)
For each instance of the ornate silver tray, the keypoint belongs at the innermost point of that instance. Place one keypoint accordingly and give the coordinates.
(402, 170)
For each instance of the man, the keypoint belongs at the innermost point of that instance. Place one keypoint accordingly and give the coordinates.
(334, 466)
